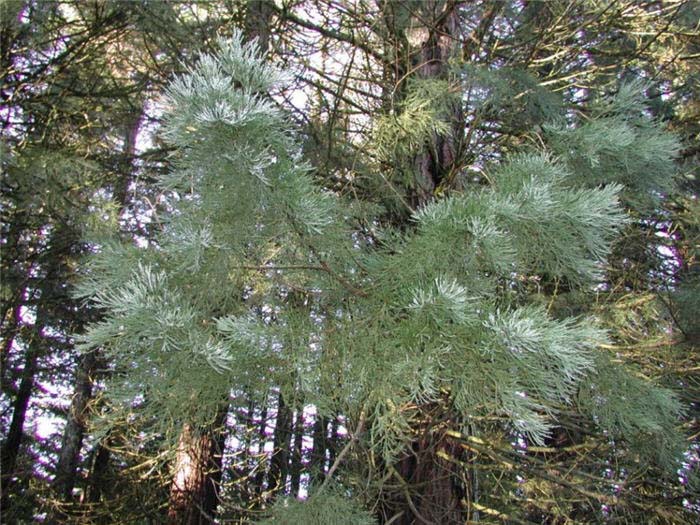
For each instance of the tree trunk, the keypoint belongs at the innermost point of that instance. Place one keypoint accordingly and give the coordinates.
(440, 42)
(10, 329)
(257, 22)
(297, 453)
(97, 484)
(197, 474)
(279, 464)
(431, 487)
(317, 465)
(260, 475)
(66, 468)
(15, 434)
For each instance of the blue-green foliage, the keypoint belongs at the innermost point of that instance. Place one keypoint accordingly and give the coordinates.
(256, 278)
(628, 406)
(510, 96)
(241, 199)
(619, 142)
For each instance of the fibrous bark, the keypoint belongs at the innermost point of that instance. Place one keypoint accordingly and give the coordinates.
(196, 476)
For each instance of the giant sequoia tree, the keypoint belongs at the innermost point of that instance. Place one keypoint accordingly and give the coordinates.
(421, 338)
(441, 275)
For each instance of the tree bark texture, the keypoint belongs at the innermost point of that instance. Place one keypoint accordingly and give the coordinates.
(257, 22)
(196, 476)
(15, 434)
(317, 465)
(433, 488)
(99, 472)
(431, 60)
(67, 466)
(297, 454)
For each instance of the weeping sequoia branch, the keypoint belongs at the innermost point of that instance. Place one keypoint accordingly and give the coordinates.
(430, 342)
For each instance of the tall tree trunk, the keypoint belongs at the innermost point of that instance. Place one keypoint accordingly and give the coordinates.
(317, 465)
(432, 485)
(438, 42)
(260, 475)
(67, 466)
(297, 454)
(97, 483)
(279, 463)
(10, 329)
(257, 22)
(15, 434)
(15, 269)
(197, 474)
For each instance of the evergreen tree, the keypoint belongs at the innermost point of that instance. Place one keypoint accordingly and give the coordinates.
(260, 280)
(401, 107)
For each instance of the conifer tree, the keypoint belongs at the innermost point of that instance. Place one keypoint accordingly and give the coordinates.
(410, 103)
(260, 280)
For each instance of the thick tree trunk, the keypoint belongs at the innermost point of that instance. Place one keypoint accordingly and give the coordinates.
(438, 42)
(432, 483)
(257, 22)
(197, 474)
(431, 486)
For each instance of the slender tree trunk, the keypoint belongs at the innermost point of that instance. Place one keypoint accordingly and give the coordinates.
(11, 328)
(66, 468)
(15, 434)
(260, 476)
(279, 464)
(297, 454)
(317, 464)
(15, 269)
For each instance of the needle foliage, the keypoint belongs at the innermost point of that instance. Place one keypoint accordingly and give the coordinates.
(260, 277)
